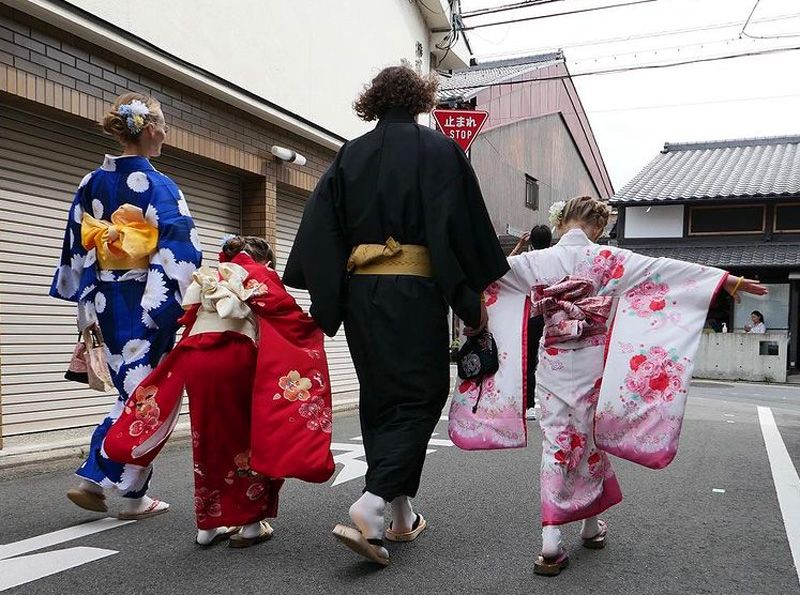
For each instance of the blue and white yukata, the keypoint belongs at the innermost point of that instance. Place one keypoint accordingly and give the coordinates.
(136, 308)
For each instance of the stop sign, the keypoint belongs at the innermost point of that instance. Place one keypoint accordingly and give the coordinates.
(461, 125)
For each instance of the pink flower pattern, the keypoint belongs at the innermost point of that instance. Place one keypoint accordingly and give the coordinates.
(655, 375)
(207, 504)
(319, 417)
(607, 266)
(571, 444)
(647, 298)
(491, 292)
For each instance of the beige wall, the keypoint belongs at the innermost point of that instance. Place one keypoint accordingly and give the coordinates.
(309, 57)
(541, 148)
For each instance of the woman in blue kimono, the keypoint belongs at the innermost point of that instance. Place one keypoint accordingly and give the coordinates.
(130, 249)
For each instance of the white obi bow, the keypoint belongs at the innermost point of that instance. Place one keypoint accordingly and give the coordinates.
(223, 293)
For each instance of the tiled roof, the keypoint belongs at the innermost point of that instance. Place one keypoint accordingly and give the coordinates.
(750, 255)
(465, 84)
(740, 168)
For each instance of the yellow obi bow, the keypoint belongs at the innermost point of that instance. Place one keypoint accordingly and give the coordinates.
(123, 244)
(390, 258)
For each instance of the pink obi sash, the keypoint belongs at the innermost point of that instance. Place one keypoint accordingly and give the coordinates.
(570, 311)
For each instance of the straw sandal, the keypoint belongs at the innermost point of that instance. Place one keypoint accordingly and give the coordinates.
(418, 527)
(239, 541)
(551, 566)
(88, 500)
(598, 542)
(371, 549)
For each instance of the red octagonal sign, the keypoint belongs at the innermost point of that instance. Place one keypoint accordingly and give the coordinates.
(461, 125)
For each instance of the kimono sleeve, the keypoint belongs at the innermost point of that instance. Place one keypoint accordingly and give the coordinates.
(75, 279)
(661, 311)
(319, 255)
(465, 251)
(177, 255)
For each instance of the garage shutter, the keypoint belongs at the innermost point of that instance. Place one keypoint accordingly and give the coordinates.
(290, 211)
(41, 163)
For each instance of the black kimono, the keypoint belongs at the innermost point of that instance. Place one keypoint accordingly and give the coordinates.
(413, 184)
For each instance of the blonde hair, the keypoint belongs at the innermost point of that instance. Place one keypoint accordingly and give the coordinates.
(587, 211)
(116, 124)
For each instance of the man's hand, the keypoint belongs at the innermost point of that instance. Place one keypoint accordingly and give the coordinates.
(520, 247)
(471, 332)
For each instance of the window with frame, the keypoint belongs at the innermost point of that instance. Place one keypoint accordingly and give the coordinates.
(736, 219)
(787, 218)
(531, 193)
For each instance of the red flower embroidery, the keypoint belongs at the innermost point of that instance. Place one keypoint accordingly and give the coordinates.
(207, 504)
(490, 293)
(295, 386)
(551, 351)
(596, 465)
(655, 376)
(637, 361)
(145, 409)
(256, 490)
(571, 445)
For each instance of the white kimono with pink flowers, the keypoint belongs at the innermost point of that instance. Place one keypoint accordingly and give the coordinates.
(621, 332)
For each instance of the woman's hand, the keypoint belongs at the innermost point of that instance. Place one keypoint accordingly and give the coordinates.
(736, 285)
(523, 241)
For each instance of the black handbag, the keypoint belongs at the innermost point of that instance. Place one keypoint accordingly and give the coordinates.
(478, 359)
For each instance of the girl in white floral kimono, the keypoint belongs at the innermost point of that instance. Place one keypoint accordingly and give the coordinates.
(603, 387)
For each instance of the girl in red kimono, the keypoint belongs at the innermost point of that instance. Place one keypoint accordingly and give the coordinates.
(281, 391)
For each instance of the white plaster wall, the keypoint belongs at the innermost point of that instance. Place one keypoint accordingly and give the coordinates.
(311, 57)
(659, 222)
(736, 356)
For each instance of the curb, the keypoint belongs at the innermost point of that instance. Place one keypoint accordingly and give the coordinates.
(77, 448)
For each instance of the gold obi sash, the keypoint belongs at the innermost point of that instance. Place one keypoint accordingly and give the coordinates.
(123, 244)
(390, 258)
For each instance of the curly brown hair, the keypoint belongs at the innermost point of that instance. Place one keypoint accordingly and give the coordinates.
(586, 210)
(397, 86)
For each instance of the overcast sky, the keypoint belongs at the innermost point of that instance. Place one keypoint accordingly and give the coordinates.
(634, 113)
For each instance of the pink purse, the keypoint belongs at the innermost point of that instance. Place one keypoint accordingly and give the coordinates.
(88, 364)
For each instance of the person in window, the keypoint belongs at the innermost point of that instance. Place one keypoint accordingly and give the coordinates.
(539, 238)
(758, 327)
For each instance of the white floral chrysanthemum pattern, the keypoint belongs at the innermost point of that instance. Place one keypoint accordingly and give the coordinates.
(86, 291)
(97, 208)
(77, 214)
(134, 377)
(183, 206)
(114, 361)
(195, 237)
(109, 163)
(179, 270)
(155, 291)
(91, 258)
(151, 215)
(135, 349)
(100, 303)
(138, 182)
(148, 321)
(85, 180)
(67, 283)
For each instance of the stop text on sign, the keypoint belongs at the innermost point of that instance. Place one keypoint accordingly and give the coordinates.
(462, 126)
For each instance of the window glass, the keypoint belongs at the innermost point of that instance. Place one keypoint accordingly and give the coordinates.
(774, 306)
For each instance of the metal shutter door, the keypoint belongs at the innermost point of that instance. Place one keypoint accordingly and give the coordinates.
(41, 163)
(290, 212)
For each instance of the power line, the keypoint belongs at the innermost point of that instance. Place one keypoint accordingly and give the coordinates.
(666, 33)
(555, 14)
(750, 16)
(744, 33)
(634, 68)
(517, 5)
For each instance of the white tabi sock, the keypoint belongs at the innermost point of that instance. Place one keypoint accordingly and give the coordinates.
(206, 536)
(551, 541)
(403, 516)
(90, 486)
(251, 531)
(137, 505)
(367, 514)
(590, 528)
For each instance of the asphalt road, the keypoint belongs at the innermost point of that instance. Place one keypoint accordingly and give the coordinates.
(673, 534)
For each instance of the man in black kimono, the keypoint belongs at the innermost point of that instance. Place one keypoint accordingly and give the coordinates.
(396, 231)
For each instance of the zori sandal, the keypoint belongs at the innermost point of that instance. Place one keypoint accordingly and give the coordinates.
(551, 566)
(371, 549)
(418, 527)
(598, 542)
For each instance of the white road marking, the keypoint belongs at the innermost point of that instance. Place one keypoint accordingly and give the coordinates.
(354, 467)
(730, 421)
(718, 490)
(58, 537)
(787, 483)
(17, 568)
(730, 415)
(25, 569)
